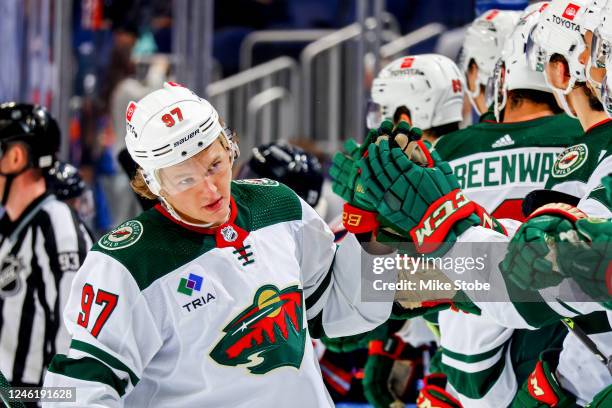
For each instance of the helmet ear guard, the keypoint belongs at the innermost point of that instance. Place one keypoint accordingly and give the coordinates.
(232, 144)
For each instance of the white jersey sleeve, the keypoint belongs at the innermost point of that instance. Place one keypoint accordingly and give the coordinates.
(593, 202)
(477, 363)
(331, 276)
(498, 303)
(114, 335)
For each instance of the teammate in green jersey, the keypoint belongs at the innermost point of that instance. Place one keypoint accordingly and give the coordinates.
(498, 164)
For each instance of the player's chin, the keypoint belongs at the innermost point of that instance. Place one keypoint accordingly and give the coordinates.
(216, 214)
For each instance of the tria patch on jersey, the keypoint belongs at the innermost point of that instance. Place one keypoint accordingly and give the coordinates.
(125, 235)
(191, 289)
(266, 335)
(258, 182)
(570, 160)
(196, 292)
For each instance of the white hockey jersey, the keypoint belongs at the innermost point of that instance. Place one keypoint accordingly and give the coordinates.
(163, 314)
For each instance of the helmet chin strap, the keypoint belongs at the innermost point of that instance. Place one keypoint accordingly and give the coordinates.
(10, 177)
(472, 95)
(594, 85)
(175, 214)
(561, 95)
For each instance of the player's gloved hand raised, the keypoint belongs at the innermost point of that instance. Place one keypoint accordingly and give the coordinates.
(434, 394)
(531, 260)
(542, 389)
(382, 355)
(408, 195)
(359, 215)
(344, 172)
(587, 257)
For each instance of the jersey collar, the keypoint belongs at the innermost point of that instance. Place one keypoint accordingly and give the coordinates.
(227, 234)
(598, 124)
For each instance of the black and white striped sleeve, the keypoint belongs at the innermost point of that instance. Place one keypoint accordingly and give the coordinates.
(62, 243)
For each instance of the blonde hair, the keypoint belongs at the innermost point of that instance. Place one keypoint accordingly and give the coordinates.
(140, 187)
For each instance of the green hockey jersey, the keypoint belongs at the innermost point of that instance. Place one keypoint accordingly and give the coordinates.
(580, 168)
(498, 164)
(169, 315)
(478, 365)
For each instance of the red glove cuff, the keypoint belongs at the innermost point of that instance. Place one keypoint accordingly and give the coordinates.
(440, 217)
(540, 388)
(488, 221)
(358, 221)
(559, 209)
(392, 349)
(436, 382)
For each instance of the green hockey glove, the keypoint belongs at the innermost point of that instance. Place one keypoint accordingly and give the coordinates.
(531, 260)
(382, 355)
(541, 389)
(423, 202)
(587, 257)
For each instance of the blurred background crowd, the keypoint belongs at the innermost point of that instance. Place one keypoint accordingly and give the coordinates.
(86, 59)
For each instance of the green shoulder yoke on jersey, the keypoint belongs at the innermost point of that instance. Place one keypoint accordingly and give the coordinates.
(578, 161)
(151, 245)
(558, 130)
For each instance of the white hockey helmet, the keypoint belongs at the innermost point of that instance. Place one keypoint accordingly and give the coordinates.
(606, 88)
(592, 15)
(592, 18)
(429, 85)
(514, 70)
(602, 49)
(560, 31)
(483, 43)
(167, 127)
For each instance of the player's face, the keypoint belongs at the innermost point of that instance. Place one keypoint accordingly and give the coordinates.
(596, 72)
(11, 162)
(472, 76)
(199, 188)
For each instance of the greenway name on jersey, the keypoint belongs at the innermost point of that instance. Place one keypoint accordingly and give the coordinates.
(498, 164)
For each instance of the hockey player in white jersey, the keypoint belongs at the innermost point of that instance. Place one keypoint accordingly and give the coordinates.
(211, 297)
(481, 49)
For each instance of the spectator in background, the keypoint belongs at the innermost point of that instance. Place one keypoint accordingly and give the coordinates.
(121, 87)
(64, 180)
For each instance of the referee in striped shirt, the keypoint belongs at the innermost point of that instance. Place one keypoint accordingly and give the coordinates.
(42, 245)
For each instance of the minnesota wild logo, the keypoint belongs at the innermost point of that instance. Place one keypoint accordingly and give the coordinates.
(258, 182)
(570, 160)
(123, 236)
(266, 335)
